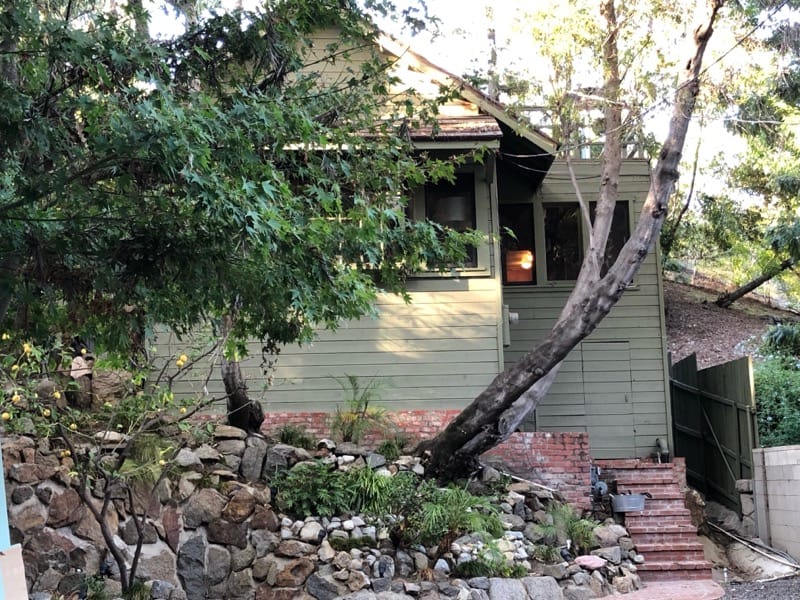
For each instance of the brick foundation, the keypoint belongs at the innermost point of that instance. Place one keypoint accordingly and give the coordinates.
(557, 460)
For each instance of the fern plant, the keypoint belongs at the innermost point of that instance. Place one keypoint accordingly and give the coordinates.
(360, 413)
(447, 513)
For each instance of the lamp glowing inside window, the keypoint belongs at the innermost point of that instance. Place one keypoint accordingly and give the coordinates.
(519, 266)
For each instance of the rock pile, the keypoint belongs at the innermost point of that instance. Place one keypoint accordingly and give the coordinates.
(212, 532)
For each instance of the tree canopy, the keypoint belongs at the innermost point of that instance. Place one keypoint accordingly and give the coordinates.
(172, 181)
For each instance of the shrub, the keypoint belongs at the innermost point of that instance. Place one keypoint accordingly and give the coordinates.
(777, 387)
(783, 339)
(489, 562)
(313, 489)
(392, 448)
(295, 436)
(568, 525)
(446, 513)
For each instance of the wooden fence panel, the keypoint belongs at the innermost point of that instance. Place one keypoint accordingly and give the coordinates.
(714, 425)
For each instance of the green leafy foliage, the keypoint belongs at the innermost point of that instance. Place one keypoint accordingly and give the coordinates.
(295, 436)
(783, 339)
(777, 388)
(171, 182)
(313, 489)
(490, 562)
(422, 513)
(360, 413)
(546, 553)
(567, 524)
(446, 513)
(392, 448)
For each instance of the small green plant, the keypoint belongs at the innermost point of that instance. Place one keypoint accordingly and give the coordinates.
(490, 562)
(295, 436)
(96, 589)
(347, 544)
(568, 525)
(360, 413)
(546, 553)
(371, 492)
(137, 591)
(392, 448)
(313, 489)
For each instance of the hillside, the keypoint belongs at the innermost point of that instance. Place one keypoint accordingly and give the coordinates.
(695, 324)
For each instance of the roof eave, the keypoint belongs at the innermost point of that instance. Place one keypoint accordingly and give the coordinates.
(469, 93)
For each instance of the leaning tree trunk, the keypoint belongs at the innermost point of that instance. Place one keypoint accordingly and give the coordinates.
(496, 413)
(725, 300)
(243, 412)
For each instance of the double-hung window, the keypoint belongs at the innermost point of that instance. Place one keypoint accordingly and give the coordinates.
(460, 204)
(452, 204)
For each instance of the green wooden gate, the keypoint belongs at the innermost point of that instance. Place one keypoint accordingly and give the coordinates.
(714, 425)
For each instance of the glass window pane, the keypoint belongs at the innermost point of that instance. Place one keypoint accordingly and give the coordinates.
(563, 240)
(516, 244)
(453, 205)
(617, 236)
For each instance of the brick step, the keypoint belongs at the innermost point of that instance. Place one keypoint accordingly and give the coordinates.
(656, 509)
(655, 527)
(643, 518)
(673, 555)
(663, 576)
(650, 547)
(674, 551)
(674, 570)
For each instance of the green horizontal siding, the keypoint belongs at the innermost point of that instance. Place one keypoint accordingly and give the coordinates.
(613, 384)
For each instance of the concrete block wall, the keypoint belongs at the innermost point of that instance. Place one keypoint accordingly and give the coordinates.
(559, 460)
(776, 492)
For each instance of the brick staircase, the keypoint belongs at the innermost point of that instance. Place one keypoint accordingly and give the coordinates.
(663, 532)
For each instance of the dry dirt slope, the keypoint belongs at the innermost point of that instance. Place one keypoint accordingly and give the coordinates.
(695, 324)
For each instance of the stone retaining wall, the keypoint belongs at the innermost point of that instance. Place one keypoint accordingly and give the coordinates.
(210, 533)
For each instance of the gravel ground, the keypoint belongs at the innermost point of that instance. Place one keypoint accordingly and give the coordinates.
(780, 589)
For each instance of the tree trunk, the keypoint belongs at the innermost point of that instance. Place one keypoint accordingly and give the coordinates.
(725, 300)
(242, 412)
(668, 237)
(494, 415)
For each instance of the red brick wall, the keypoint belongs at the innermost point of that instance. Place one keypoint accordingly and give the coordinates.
(557, 460)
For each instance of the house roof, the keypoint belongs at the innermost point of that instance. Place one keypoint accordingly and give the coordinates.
(472, 127)
(532, 150)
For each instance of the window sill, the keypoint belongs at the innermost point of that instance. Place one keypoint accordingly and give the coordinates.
(552, 286)
(452, 273)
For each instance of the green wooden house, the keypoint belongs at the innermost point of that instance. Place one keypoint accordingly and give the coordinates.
(462, 328)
